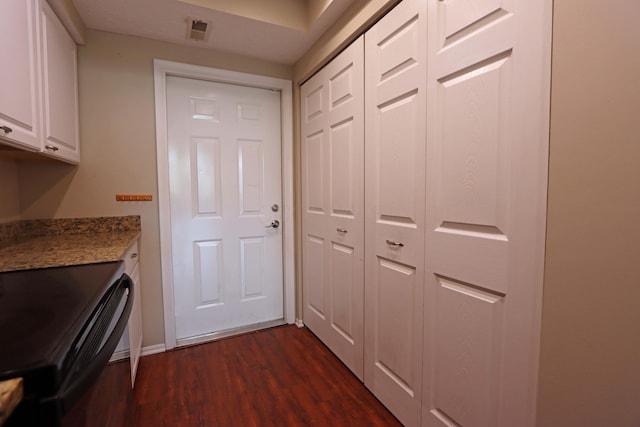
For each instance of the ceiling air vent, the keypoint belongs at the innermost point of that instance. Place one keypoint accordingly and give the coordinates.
(197, 29)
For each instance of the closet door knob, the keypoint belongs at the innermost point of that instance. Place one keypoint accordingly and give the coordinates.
(395, 244)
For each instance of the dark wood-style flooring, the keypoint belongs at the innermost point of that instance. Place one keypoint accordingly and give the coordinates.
(282, 376)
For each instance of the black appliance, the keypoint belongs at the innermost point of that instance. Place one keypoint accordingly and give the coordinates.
(58, 328)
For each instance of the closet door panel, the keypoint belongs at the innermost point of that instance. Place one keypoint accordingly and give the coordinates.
(395, 56)
(333, 205)
(487, 143)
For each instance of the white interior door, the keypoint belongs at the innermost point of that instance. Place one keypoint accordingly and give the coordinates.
(224, 153)
(395, 111)
(487, 144)
(332, 127)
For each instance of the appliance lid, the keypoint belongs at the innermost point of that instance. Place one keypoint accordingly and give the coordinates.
(43, 311)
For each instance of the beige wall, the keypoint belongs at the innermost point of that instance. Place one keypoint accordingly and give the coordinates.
(9, 202)
(117, 130)
(590, 359)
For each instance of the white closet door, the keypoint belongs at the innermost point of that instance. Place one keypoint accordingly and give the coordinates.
(395, 111)
(487, 142)
(333, 200)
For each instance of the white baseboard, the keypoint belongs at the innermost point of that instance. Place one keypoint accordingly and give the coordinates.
(299, 323)
(153, 349)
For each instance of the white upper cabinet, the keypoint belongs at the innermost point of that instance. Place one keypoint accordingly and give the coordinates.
(19, 75)
(39, 81)
(60, 89)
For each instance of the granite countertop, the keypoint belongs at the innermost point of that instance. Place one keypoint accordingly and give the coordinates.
(10, 396)
(63, 242)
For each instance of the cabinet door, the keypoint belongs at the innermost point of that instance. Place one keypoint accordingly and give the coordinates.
(19, 74)
(395, 110)
(332, 129)
(60, 85)
(487, 145)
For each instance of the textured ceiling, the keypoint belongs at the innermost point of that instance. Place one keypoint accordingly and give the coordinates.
(275, 30)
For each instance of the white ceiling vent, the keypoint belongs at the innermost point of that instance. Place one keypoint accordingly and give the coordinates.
(197, 29)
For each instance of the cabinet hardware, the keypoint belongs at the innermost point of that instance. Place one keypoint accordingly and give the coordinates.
(6, 129)
(396, 244)
(341, 230)
(51, 147)
(134, 255)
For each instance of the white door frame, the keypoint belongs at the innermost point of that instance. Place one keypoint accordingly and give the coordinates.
(162, 69)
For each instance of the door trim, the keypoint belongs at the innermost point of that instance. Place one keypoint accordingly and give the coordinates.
(162, 69)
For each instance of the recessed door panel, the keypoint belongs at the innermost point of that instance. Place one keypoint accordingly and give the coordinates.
(395, 326)
(252, 258)
(469, 328)
(251, 161)
(467, 14)
(398, 147)
(474, 145)
(206, 176)
(342, 292)
(399, 50)
(343, 150)
(341, 86)
(208, 267)
(313, 102)
(314, 165)
(315, 277)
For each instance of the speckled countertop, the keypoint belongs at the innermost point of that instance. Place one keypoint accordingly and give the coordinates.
(61, 242)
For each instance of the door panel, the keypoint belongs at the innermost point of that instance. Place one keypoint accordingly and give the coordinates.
(487, 118)
(395, 89)
(333, 203)
(224, 176)
(314, 283)
(469, 333)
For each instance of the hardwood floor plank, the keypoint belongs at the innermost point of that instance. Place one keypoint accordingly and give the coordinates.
(282, 376)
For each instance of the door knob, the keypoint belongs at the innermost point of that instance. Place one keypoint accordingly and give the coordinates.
(274, 224)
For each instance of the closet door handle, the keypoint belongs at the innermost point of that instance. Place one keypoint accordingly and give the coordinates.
(394, 244)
